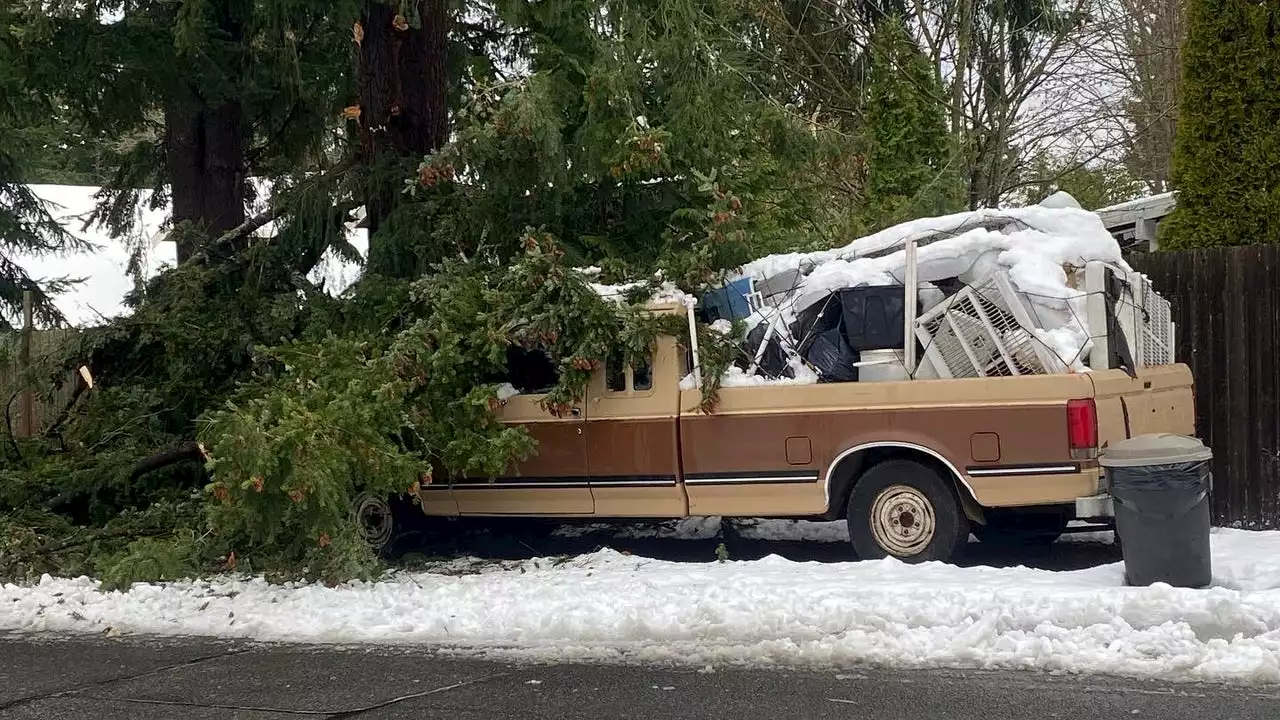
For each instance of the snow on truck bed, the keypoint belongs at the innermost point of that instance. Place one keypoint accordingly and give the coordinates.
(607, 606)
(1033, 245)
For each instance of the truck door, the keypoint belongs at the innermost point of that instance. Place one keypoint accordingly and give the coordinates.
(554, 481)
(633, 450)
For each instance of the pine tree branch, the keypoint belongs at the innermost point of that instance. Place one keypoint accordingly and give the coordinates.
(182, 452)
(244, 229)
(65, 413)
(253, 224)
(78, 540)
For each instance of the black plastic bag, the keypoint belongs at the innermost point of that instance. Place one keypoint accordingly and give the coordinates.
(829, 352)
(773, 363)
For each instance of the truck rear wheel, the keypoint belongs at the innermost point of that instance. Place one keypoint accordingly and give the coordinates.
(905, 510)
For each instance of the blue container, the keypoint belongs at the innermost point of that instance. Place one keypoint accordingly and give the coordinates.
(729, 302)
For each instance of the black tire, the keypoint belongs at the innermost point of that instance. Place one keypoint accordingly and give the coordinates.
(1025, 529)
(906, 510)
(385, 523)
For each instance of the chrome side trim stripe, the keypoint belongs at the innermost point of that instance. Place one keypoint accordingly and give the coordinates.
(1002, 470)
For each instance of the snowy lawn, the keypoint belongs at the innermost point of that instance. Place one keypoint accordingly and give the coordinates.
(607, 606)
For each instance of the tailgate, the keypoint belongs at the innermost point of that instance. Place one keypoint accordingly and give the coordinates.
(1159, 400)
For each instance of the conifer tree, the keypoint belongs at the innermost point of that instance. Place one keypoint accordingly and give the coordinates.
(26, 227)
(1226, 161)
(909, 153)
(189, 98)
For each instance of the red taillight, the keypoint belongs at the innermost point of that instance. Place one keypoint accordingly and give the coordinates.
(1082, 426)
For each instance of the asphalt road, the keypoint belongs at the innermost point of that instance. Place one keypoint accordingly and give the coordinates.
(141, 679)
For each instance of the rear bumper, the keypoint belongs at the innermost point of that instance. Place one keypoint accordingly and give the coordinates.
(1094, 507)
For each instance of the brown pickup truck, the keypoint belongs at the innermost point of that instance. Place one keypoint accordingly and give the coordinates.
(912, 466)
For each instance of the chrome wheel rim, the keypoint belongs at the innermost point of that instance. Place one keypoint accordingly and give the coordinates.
(902, 521)
(373, 518)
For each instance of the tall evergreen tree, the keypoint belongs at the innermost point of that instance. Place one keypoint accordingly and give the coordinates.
(190, 98)
(26, 227)
(1226, 162)
(912, 168)
(404, 91)
(633, 129)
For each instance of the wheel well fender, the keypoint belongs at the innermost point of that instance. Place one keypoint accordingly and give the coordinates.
(850, 465)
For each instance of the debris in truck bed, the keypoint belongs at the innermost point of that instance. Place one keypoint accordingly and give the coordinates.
(1025, 310)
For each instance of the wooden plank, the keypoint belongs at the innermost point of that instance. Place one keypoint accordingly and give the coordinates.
(1209, 336)
(1265, 415)
(43, 344)
(27, 403)
(1234, 349)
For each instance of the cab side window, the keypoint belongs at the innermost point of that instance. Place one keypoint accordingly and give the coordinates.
(621, 378)
(642, 376)
(615, 373)
(531, 372)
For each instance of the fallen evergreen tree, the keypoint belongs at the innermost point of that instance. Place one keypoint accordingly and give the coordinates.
(372, 395)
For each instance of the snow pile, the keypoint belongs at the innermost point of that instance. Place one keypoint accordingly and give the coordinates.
(737, 377)
(612, 607)
(1067, 234)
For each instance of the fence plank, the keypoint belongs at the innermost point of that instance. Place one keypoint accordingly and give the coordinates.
(1226, 303)
(1234, 349)
(1266, 380)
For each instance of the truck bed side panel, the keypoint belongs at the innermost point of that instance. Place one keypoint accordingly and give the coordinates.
(1159, 400)
(1005, 437)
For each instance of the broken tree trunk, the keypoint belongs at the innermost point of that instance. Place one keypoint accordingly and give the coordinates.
(189, 451)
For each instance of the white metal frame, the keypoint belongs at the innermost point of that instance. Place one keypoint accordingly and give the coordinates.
(1143, 315)
(993, 330)
(911, 292)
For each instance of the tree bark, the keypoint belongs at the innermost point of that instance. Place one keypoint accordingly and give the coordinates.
(403, 91)
(205, 148)
(204, 155)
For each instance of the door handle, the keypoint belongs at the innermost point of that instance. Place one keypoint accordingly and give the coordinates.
(575, 412)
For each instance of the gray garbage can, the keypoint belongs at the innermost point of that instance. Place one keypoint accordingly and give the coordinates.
(1160, 487)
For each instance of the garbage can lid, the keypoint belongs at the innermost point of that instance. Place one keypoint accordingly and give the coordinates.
(1155, 449)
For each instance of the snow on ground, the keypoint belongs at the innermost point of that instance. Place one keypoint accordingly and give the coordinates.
(608, 606)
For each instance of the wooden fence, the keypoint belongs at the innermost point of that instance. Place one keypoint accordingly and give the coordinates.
(1226, 304)
(44, 409)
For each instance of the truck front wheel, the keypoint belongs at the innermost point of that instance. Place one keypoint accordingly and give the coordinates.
(904, 509)
(384, 523)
